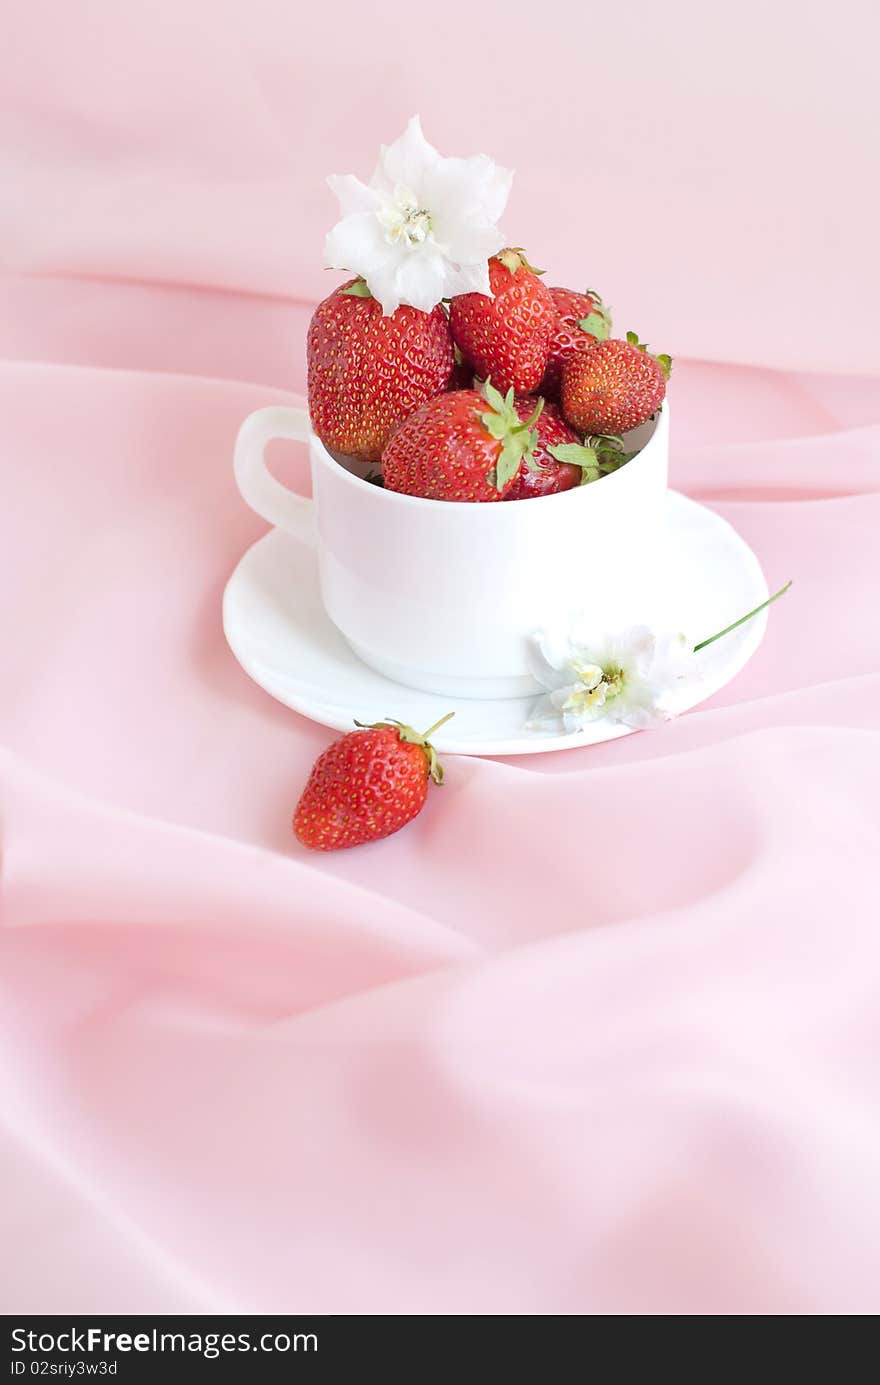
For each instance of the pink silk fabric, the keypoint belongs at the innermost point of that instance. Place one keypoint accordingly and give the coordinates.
(598, 1033)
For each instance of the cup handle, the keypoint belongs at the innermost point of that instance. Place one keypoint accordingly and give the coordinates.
(271, 500)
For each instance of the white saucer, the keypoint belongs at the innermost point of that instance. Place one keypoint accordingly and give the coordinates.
(282, 637)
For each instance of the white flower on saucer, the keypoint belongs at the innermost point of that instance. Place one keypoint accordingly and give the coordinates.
(424, 228)
(627, 677)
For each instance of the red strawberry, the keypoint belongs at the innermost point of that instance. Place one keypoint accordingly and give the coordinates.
(466, 445)
(581, 320)
(541, 474)
(614, 386)
(366, 785)
(367, 371)
(506, 337)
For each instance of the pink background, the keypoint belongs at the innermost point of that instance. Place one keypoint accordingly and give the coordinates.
(599, 1033)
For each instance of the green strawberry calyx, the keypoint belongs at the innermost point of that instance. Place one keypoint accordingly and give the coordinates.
(411, 737)
(517, 438)
(596, 456)
(598, 320)
(359, 289)
(514, 258)
(663, 361)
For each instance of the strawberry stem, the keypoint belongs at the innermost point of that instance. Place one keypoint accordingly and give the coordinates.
(437, 724)
(742, 620)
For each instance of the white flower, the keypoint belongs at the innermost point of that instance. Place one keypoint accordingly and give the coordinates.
(627, 677)
(425, 227)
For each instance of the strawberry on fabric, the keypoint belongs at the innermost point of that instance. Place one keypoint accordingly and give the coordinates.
(506, 337)
(613, 387)
(465, 445)
(581, 320)
(367, 785)
(367, 372)
(542, 474)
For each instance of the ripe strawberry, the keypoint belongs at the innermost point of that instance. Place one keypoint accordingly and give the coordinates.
(541, 474)
(614, 386)
(581, 320)
(506, 337)
(367, 371)
(366, 785)
(465, 445)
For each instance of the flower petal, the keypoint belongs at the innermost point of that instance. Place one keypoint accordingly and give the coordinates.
(354, 243)
(571, 698)
(639, 716)
(472, 278)
(544, 717)
(421, 277)
(547, 661)
(633, 650)
(357, 244)
(383, 284)
(353, 195)
(674, 659)
(466, 198)
(575, 721)
(407, 161)
(467, 242)
(497, 183)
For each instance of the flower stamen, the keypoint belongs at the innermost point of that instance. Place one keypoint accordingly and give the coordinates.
(402, 219)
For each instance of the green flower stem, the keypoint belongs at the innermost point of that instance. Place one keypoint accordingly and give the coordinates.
(742, 620)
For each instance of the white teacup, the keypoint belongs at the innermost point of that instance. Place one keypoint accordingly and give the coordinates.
(445, 596)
